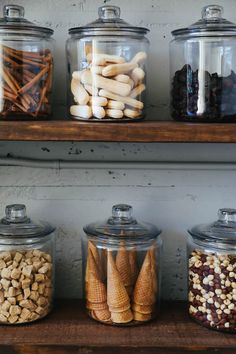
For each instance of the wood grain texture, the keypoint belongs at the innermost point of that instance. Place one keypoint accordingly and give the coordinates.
(143, 132)
(69, 330)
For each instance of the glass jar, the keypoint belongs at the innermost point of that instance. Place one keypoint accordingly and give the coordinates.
(26, 67)
(212, 273)
(107, 69)
(26, 267)
(203, 69)
(122, 273)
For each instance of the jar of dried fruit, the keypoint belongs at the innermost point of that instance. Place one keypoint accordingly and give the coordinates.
(212, 272)
(203, 69)
(26, 267)
(122, 269)
(107, 69)
(26, 66)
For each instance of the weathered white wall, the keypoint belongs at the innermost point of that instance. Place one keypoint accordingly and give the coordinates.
(172, 195)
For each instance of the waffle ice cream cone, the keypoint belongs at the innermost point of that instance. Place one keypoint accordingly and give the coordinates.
(102, 315)
(96, 257)
(123, 267)
(96, 307)
(104, 262)
(117, 295)
(120, 309)
(153, 269)
(122, 317)
(144, 309)
(142, 317)
(95, 288)
(133, 266)
(144, 293)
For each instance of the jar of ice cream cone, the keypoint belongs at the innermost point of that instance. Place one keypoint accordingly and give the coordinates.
(122, 269)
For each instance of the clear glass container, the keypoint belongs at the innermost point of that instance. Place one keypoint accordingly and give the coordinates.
(212, 273)
(122, 273)
(26, 67)
(26, 267)
(107, 69)
(203, 69)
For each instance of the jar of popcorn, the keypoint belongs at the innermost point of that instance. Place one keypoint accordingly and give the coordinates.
(212, 273)
(122, 269)
(26, 267)
(107, 62)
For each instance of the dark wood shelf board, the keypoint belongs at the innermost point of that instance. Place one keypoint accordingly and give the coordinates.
(69, 330)
(143, 132)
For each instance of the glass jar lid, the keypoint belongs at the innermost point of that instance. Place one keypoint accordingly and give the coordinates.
(222, 231)
(210, 23)
(13, 22)
(122, 226)
(16, 224)
(109, 23)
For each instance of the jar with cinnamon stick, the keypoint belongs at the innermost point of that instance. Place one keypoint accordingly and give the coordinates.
(26, 67)
(122, 269)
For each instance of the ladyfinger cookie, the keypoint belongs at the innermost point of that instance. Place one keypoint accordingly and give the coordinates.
(116, 69)
(127, 100)
(107, 84)
(96, 69)
(98, 101)
(92, 90)
(116, 105)
(137, 75)
(137, 91)
(139, 58)
(114, 113)
(131, 113)
(103, 59)
(81, 111)
(98, 112)
(79, 92)
(122, 78)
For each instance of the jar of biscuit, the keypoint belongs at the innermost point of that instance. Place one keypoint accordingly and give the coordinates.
(107, 69)
(26, 267)
(122, 269)
(26, 67)
(212, 273)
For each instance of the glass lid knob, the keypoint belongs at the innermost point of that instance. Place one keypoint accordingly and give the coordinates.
(109, 12)
(13, 11)
(227, 215)
(122, 211)
(212, 12)
(16, 213)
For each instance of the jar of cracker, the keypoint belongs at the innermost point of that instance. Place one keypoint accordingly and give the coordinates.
(26, 267)
(122, 269)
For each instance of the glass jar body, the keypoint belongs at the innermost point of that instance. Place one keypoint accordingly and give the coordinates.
(203, 78)
(107, 77)
(212, 286)
(122, 281)
(27, 72)
(26, 278)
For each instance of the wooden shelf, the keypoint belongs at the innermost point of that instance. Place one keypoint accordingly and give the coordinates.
(143, 132)
(69, 330)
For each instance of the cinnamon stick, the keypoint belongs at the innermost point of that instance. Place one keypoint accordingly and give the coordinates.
(23, 53)
(30, 61)
(33, 81)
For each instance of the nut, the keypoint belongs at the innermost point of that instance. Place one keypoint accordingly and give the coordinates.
(211, 277)
(25, 286)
